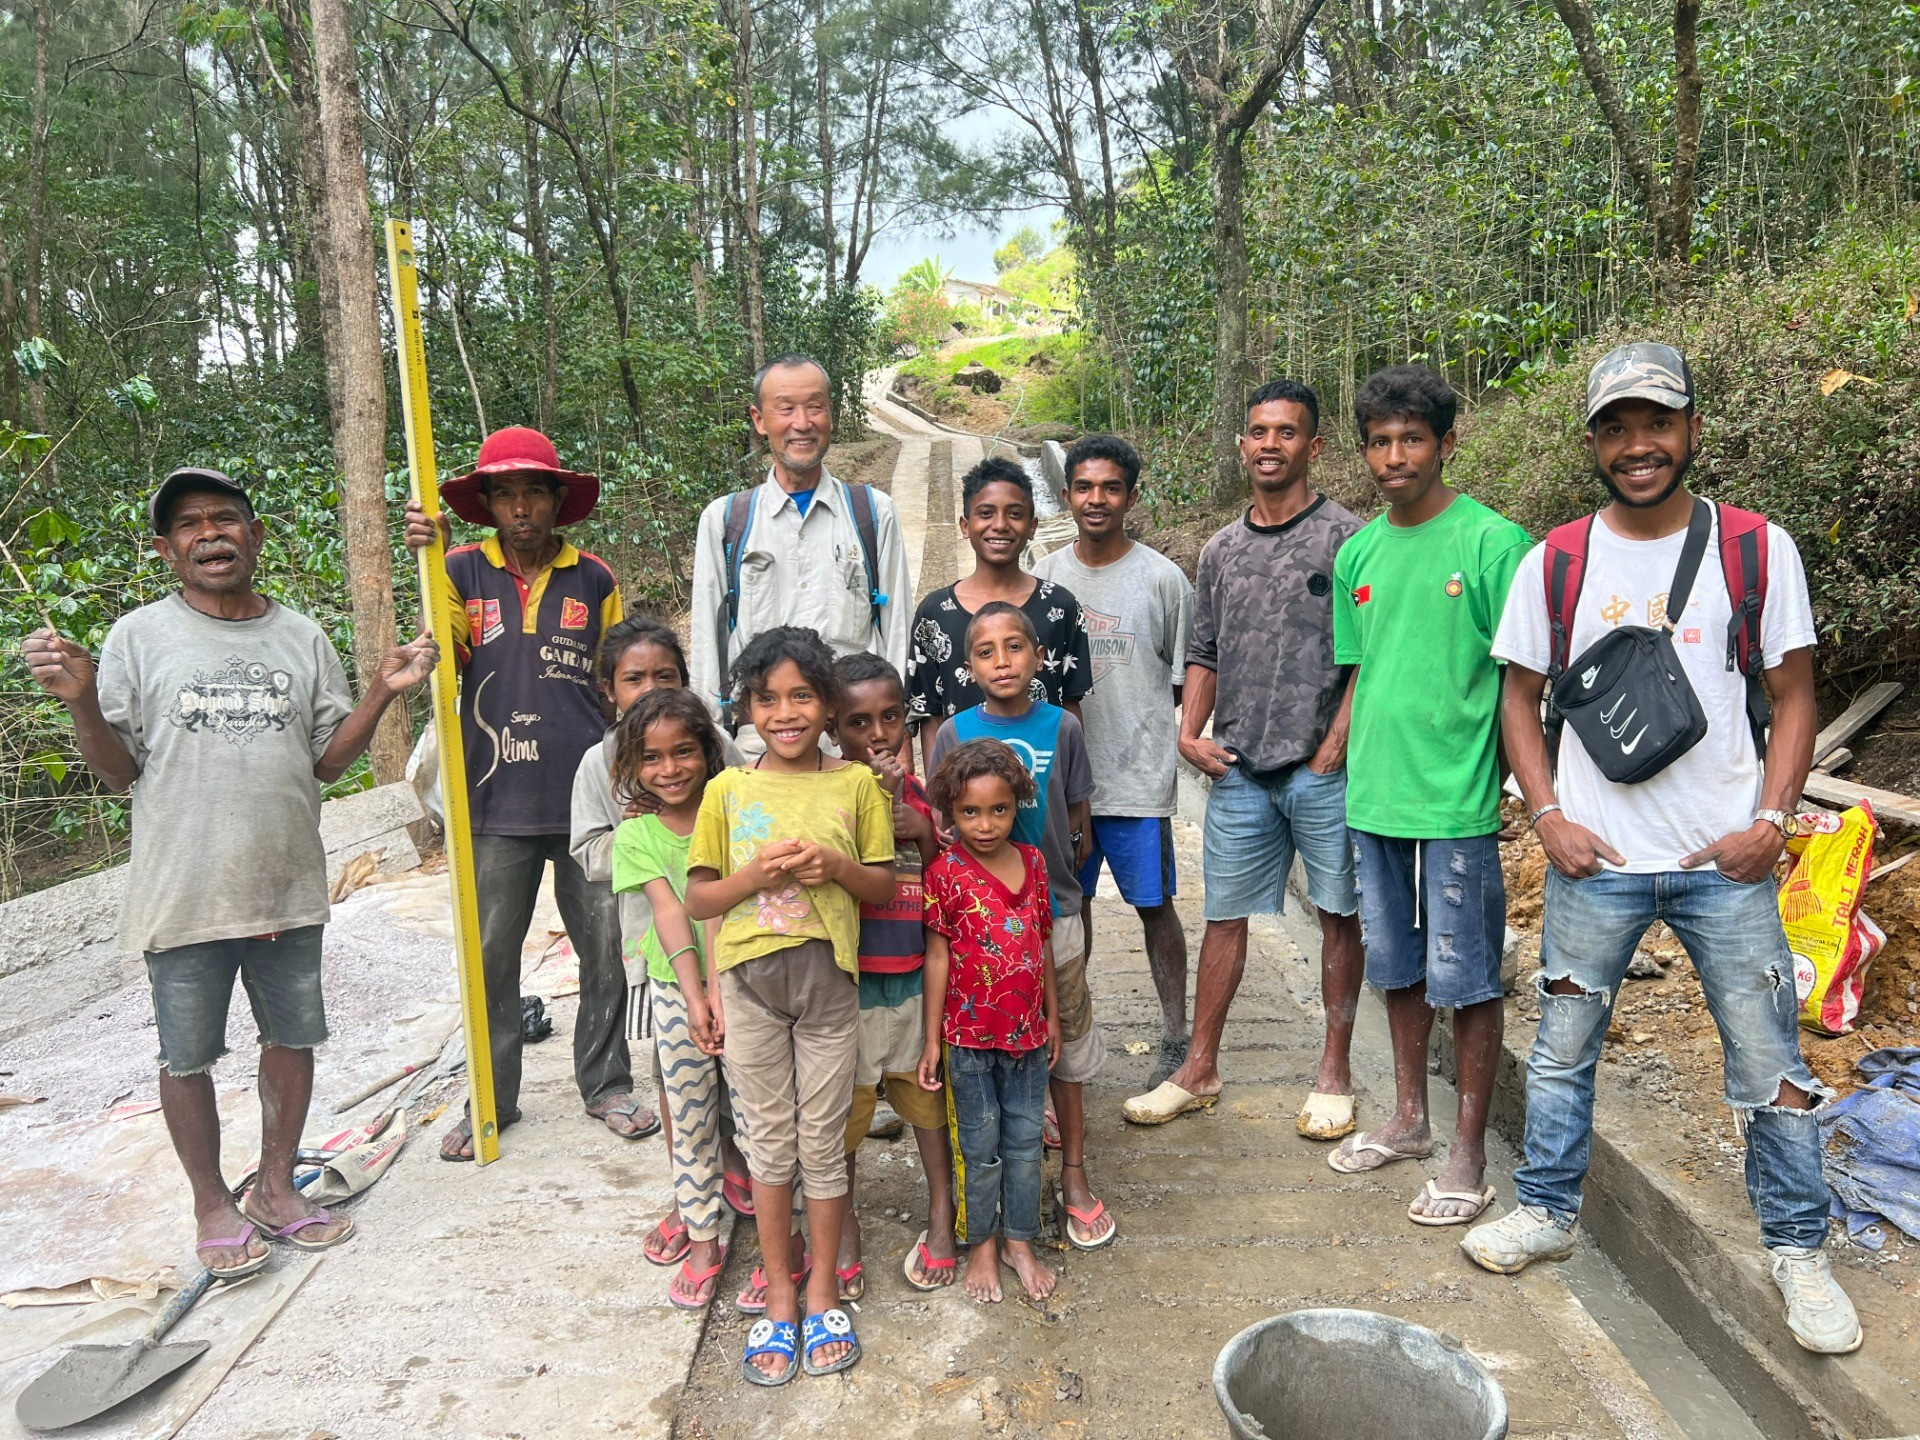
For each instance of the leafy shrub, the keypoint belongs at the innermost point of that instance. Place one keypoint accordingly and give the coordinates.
(1838, 471)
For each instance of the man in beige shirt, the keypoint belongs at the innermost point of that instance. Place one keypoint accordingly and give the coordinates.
(801, 560)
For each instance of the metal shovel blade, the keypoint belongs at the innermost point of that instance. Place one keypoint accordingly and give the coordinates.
(91, 1379)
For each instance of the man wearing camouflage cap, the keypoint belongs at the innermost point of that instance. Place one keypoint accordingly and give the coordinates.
(1692, 844)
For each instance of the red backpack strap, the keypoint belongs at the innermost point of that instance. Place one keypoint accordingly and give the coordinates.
(1564, 569)
(1743, 556)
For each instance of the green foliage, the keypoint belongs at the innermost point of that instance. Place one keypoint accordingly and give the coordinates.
(1046, 379)
(1840, 472)
(1041, 277)
(920, 318)
(927, 277)
(1023, 246)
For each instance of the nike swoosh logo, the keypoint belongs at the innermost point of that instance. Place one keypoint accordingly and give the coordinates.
(1628, 747)
(1617, 733)
(1606, 715)
(1591, 674)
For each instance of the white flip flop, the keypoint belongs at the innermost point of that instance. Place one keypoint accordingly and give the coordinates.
(1325, 1117)
(1164, 1102)
(1343, 1159)
(1480, 1199)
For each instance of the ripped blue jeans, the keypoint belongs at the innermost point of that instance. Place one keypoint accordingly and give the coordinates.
(1732, 933)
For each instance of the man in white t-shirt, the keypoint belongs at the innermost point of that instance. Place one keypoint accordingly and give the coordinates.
(1693, 845)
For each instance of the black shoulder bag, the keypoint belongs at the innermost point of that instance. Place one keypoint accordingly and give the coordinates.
(1626, 696)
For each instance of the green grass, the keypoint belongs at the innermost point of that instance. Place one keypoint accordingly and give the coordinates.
(1053, 396)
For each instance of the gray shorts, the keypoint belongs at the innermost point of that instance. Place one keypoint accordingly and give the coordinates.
(192, 985)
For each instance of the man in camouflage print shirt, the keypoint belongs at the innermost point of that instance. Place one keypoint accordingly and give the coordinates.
(1260, 664)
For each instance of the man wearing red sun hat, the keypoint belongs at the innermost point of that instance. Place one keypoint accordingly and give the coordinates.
(528, 613)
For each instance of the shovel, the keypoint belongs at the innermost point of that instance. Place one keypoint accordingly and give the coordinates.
(91, 1379)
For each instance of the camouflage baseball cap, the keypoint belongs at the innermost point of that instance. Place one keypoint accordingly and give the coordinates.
(1644, 370)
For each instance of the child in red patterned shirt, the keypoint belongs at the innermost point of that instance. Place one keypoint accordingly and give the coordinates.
(989, 986)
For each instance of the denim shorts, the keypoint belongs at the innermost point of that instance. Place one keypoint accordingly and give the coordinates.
(192, 985)
(1138, 849)
(1252, 832)
(1433, 911)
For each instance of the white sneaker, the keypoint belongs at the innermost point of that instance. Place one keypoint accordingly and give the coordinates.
(1508, 1245)
(1819, 1313)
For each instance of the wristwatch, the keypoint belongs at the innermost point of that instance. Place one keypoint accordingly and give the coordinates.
(1780, 820)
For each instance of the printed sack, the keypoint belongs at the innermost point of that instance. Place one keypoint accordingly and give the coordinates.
(1833, 943)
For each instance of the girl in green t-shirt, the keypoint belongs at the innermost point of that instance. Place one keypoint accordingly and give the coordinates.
(666, 747)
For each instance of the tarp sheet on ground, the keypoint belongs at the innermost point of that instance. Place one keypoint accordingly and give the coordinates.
(1871, 1145)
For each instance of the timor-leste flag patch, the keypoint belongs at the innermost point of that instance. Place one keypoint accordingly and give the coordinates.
(1363, 594)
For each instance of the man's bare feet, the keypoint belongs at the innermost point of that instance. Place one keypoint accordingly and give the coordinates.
(1462, 1174)
(457, 1143)
(1366, 1150)
(983, 1272)
(1197, 1076)
(275, 1207)
(1035, 1277)
(223, 1223)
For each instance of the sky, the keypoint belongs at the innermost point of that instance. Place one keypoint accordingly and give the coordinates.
(966, 246)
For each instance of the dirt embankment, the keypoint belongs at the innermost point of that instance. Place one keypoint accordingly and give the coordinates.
(1664, 1037)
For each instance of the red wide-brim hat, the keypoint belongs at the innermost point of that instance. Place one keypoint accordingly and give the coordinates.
(519, 450)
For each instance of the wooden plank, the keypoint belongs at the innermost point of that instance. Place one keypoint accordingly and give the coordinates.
(1836, 762)
(1855, 718)
(1831, 790)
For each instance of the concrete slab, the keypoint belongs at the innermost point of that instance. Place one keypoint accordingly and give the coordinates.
(1686, 1236)
(1225, 1218)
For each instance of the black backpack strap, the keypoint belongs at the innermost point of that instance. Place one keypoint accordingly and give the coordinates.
(1699, 530)
(860, 499)
(733, 543)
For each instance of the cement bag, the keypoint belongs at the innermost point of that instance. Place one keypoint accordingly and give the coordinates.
(1833, 943)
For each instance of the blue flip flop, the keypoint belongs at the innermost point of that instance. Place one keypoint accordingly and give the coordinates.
(830, 1327)
(770, 1337)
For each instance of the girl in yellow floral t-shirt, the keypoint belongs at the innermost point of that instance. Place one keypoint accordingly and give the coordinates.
(783, 852)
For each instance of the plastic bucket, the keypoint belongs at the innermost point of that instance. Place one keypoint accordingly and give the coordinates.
(1354, 1375)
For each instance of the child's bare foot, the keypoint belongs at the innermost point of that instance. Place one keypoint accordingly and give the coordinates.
(983, 1272)
(1037, 1278)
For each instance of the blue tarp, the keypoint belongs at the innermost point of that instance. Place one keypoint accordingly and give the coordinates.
(1870, 1143)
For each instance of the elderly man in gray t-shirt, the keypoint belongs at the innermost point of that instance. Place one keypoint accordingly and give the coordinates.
(1261, 665)
(230, 711)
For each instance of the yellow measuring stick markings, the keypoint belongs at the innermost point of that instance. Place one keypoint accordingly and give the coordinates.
(418, 415)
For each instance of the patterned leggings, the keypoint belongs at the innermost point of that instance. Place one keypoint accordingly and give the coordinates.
(693, 1092)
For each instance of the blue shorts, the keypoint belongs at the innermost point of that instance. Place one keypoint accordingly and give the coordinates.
(193, 983)
(1433, 911)
(1139, 851)
(1253, 831)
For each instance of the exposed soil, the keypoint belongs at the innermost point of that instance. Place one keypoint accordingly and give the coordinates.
(1183, 541)
(866, 462)
(1887, 754)
(1662, 1035)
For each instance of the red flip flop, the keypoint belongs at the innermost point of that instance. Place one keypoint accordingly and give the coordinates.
(758, 1281)
(673, 1251)
(738, 1193)
(928, 1266)
(700, 1280)
(852, 1280)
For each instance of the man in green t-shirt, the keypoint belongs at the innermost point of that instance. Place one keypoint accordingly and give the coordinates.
(1417, 596)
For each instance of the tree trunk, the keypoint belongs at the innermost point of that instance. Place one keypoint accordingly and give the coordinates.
(542, 251)
(1230, 311)
(750, 193)
(343, 238)
(35, 269)
(826, 142)
(1686, 131)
